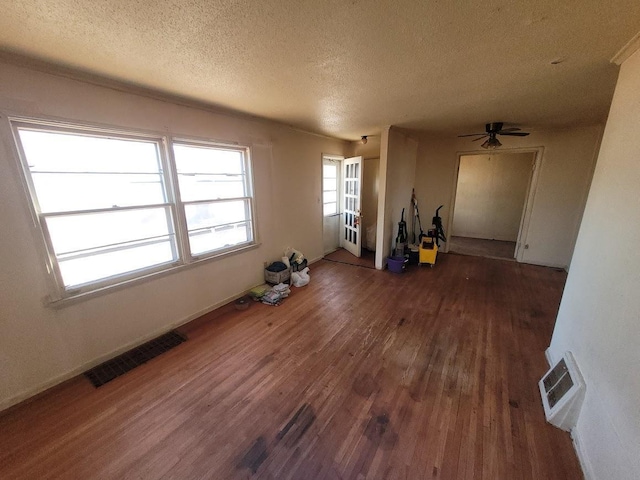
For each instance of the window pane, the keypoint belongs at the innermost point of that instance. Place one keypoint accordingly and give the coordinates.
(75, 233)
(329, 171)
(330, 208)
(204, 159)
(81, 270)
(206, 215)
(73, 152)
(67, 192)
(194, 187)
(92, 247)
(211, 239)
(217, 225)
(73, 172)
(207, 173)
(329, 197)
(329, 184)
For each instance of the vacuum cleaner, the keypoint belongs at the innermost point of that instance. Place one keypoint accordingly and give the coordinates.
(429, 244)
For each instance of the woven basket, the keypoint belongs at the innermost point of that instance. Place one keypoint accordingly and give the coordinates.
(277, 277)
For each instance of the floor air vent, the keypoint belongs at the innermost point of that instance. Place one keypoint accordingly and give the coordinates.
(107, 371)
(562, 389)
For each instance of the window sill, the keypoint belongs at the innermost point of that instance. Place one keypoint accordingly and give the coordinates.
(72, 299)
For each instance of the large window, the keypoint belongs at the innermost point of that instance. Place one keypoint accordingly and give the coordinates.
(216, 193)
(116, 206)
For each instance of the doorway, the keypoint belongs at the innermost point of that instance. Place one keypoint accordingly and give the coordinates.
(491, 196)
(350, 209)
(331, 202)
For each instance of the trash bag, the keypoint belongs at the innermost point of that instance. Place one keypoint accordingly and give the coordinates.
(301, 278)
(277, 267)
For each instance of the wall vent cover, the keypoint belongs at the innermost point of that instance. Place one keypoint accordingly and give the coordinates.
(562, 390)
(107, 371)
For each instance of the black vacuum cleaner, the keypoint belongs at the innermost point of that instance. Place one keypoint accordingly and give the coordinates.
(437, 231)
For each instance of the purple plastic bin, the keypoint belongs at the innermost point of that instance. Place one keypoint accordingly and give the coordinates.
(396, 264)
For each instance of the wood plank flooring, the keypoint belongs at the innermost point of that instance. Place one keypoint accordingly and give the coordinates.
(430, 374)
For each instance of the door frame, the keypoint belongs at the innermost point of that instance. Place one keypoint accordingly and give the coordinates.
(525, 219)
(338, 159)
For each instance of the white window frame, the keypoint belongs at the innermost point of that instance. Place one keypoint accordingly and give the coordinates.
(337, 162)
(249, 197)
(173, 203)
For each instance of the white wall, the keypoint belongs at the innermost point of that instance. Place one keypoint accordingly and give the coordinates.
(397, 175)
(490, 195)
(39, 346)
(331, 233)
(599, 317)
(567, 165)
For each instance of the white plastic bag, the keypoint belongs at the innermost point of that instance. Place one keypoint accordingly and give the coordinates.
(293, 255)
(301, 278)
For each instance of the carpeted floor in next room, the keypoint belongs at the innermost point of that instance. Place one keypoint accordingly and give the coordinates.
(481, 247)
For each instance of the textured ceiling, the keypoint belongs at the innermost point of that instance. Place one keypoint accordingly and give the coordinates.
(346, 68)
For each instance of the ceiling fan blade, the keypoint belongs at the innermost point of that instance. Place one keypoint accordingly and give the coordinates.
(472, 134)
(514, 134)
(479, 138)
(510, 129)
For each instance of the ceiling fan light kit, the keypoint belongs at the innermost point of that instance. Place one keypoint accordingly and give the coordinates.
(491, 143)
(491, 131)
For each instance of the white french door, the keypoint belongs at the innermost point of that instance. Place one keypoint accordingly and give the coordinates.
(350, 233)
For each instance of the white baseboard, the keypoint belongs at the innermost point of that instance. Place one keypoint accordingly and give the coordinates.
(584, 463)
(544, 264)
(587, 470)
(547, 353)
(22, 396)
(317, 259)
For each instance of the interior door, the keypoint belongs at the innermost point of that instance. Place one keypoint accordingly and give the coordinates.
(351, 239)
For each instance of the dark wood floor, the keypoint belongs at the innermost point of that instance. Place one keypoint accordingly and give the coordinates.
(430, 374)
